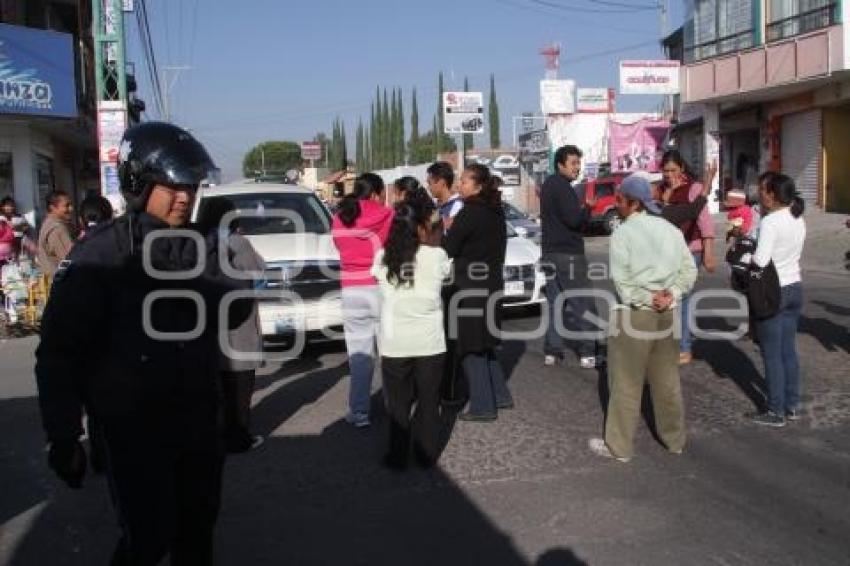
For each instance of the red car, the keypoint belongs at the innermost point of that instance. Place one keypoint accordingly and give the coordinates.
(603, 215)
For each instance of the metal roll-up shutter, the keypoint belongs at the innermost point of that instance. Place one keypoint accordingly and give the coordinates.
(801, 152)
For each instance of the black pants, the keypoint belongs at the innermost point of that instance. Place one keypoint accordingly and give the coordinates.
(568, 273)
(166, 491)
(410, 381)
(238, 388)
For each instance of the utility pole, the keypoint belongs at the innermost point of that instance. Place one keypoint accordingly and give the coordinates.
(110, 77)
(167, 86)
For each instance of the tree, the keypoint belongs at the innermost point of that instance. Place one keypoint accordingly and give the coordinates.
(425, 150)
(495, 141)
(468, 140)
(279, 157)
(360, 156)
(367, 150)
(439, 118)
(414, 128)
(343, 150)
(393, 130)
(324, 142)
(386, 143)
(400, 129)
(373, 138)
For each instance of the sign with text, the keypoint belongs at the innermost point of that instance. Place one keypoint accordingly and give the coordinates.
(649, 77)
(111, 123)
(557, 97)
(37, 72)
(463, 112)
(595, 100)
(311, 150)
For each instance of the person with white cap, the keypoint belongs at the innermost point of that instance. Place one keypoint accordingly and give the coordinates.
(652, 268)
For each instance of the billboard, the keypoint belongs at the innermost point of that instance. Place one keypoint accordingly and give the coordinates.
(595, 100)
(463, 112)
(557, 96)
(502, 164)
(533, 145)
(588, 132)
(37, 72)
(649, 77)
(311, 150)
(637, 146)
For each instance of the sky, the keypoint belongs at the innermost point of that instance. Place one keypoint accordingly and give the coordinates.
(285, 69)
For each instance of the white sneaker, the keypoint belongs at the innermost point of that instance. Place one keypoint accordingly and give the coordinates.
(598, 447)
(550, 360)
(588, 362)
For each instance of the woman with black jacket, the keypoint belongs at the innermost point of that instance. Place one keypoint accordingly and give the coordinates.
(476, 242)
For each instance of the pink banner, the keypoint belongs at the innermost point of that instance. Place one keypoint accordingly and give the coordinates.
(636, 146)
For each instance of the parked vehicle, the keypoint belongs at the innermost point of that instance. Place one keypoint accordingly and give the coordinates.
(472, 124)
(291, 230)
(524, 280)
(603, 214)
(525, 226)
(505, 162)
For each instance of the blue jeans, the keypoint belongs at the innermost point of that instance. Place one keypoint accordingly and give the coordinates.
(568, 273)
(360, 315)
(487, 387)
(687, 341)
(778, 339)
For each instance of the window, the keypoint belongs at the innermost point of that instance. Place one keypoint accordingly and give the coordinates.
(7, 185)
(604, 190)
(718, 27)
(44, 180)
(306, 207)
(787, 18)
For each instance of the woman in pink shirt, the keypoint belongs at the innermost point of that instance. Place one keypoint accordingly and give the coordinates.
(360, 229)
(679, 187)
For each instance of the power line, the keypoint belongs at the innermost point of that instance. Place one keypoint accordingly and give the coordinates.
(630, 9)
(149, 53)
(559, 14)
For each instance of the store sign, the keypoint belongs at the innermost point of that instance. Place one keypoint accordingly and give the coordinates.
(595, 100)
(311, 150)
(463, 112)
(557, 97)
(649, 77)
(36, 72)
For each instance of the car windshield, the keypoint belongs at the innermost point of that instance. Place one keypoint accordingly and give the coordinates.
(512, 212)
(280, 213)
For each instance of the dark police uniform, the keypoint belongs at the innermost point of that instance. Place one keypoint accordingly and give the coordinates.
(157, 402)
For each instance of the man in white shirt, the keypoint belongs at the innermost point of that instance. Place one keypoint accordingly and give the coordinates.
(441, 178)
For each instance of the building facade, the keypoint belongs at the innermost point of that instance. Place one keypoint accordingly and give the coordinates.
(766, 86)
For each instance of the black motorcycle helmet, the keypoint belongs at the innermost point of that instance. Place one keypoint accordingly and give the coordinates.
(159, 153)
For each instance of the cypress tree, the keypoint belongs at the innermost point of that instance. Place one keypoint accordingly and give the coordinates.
(400, 129)
(386, 138)
(436, 138)
(414, 129)
(438, 129)
(343, 152)
(393, 130)
(367, 151)
(358, 148)
(373, 128)
(495, 141)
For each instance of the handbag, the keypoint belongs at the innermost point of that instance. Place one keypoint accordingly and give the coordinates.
(763, 293)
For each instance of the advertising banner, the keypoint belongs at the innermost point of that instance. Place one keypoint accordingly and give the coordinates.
(111, 123)
(649, 77)
(463, 112)
(637, 146)
(557, 97)
(588, 132)
(533, 145)
(502, 164)
(595, 100)
(37, 72)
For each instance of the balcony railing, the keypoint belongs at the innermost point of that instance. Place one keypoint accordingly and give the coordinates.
(803, 22)
(720, 46)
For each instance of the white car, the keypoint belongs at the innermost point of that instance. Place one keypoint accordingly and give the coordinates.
(291, 230)
(524, 280)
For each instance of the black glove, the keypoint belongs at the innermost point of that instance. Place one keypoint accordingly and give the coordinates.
(68, 459)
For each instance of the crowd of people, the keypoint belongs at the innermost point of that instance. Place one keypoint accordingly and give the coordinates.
(419, 280)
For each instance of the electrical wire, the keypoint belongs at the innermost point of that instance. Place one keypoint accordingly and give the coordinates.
(150, 53)
(556, 6)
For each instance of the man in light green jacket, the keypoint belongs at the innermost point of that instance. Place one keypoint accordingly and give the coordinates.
(652, 268)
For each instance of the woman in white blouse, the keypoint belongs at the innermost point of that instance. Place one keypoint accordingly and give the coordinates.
(781, 236)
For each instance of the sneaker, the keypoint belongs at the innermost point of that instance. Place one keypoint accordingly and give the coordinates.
(793, 415)
(598, 447)
(769, 418)
(588, 362)
(359, 420)
(549, 360)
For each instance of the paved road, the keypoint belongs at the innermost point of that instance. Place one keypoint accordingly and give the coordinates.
(523, 490)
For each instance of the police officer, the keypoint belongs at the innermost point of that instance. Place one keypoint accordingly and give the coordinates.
(141, 362)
